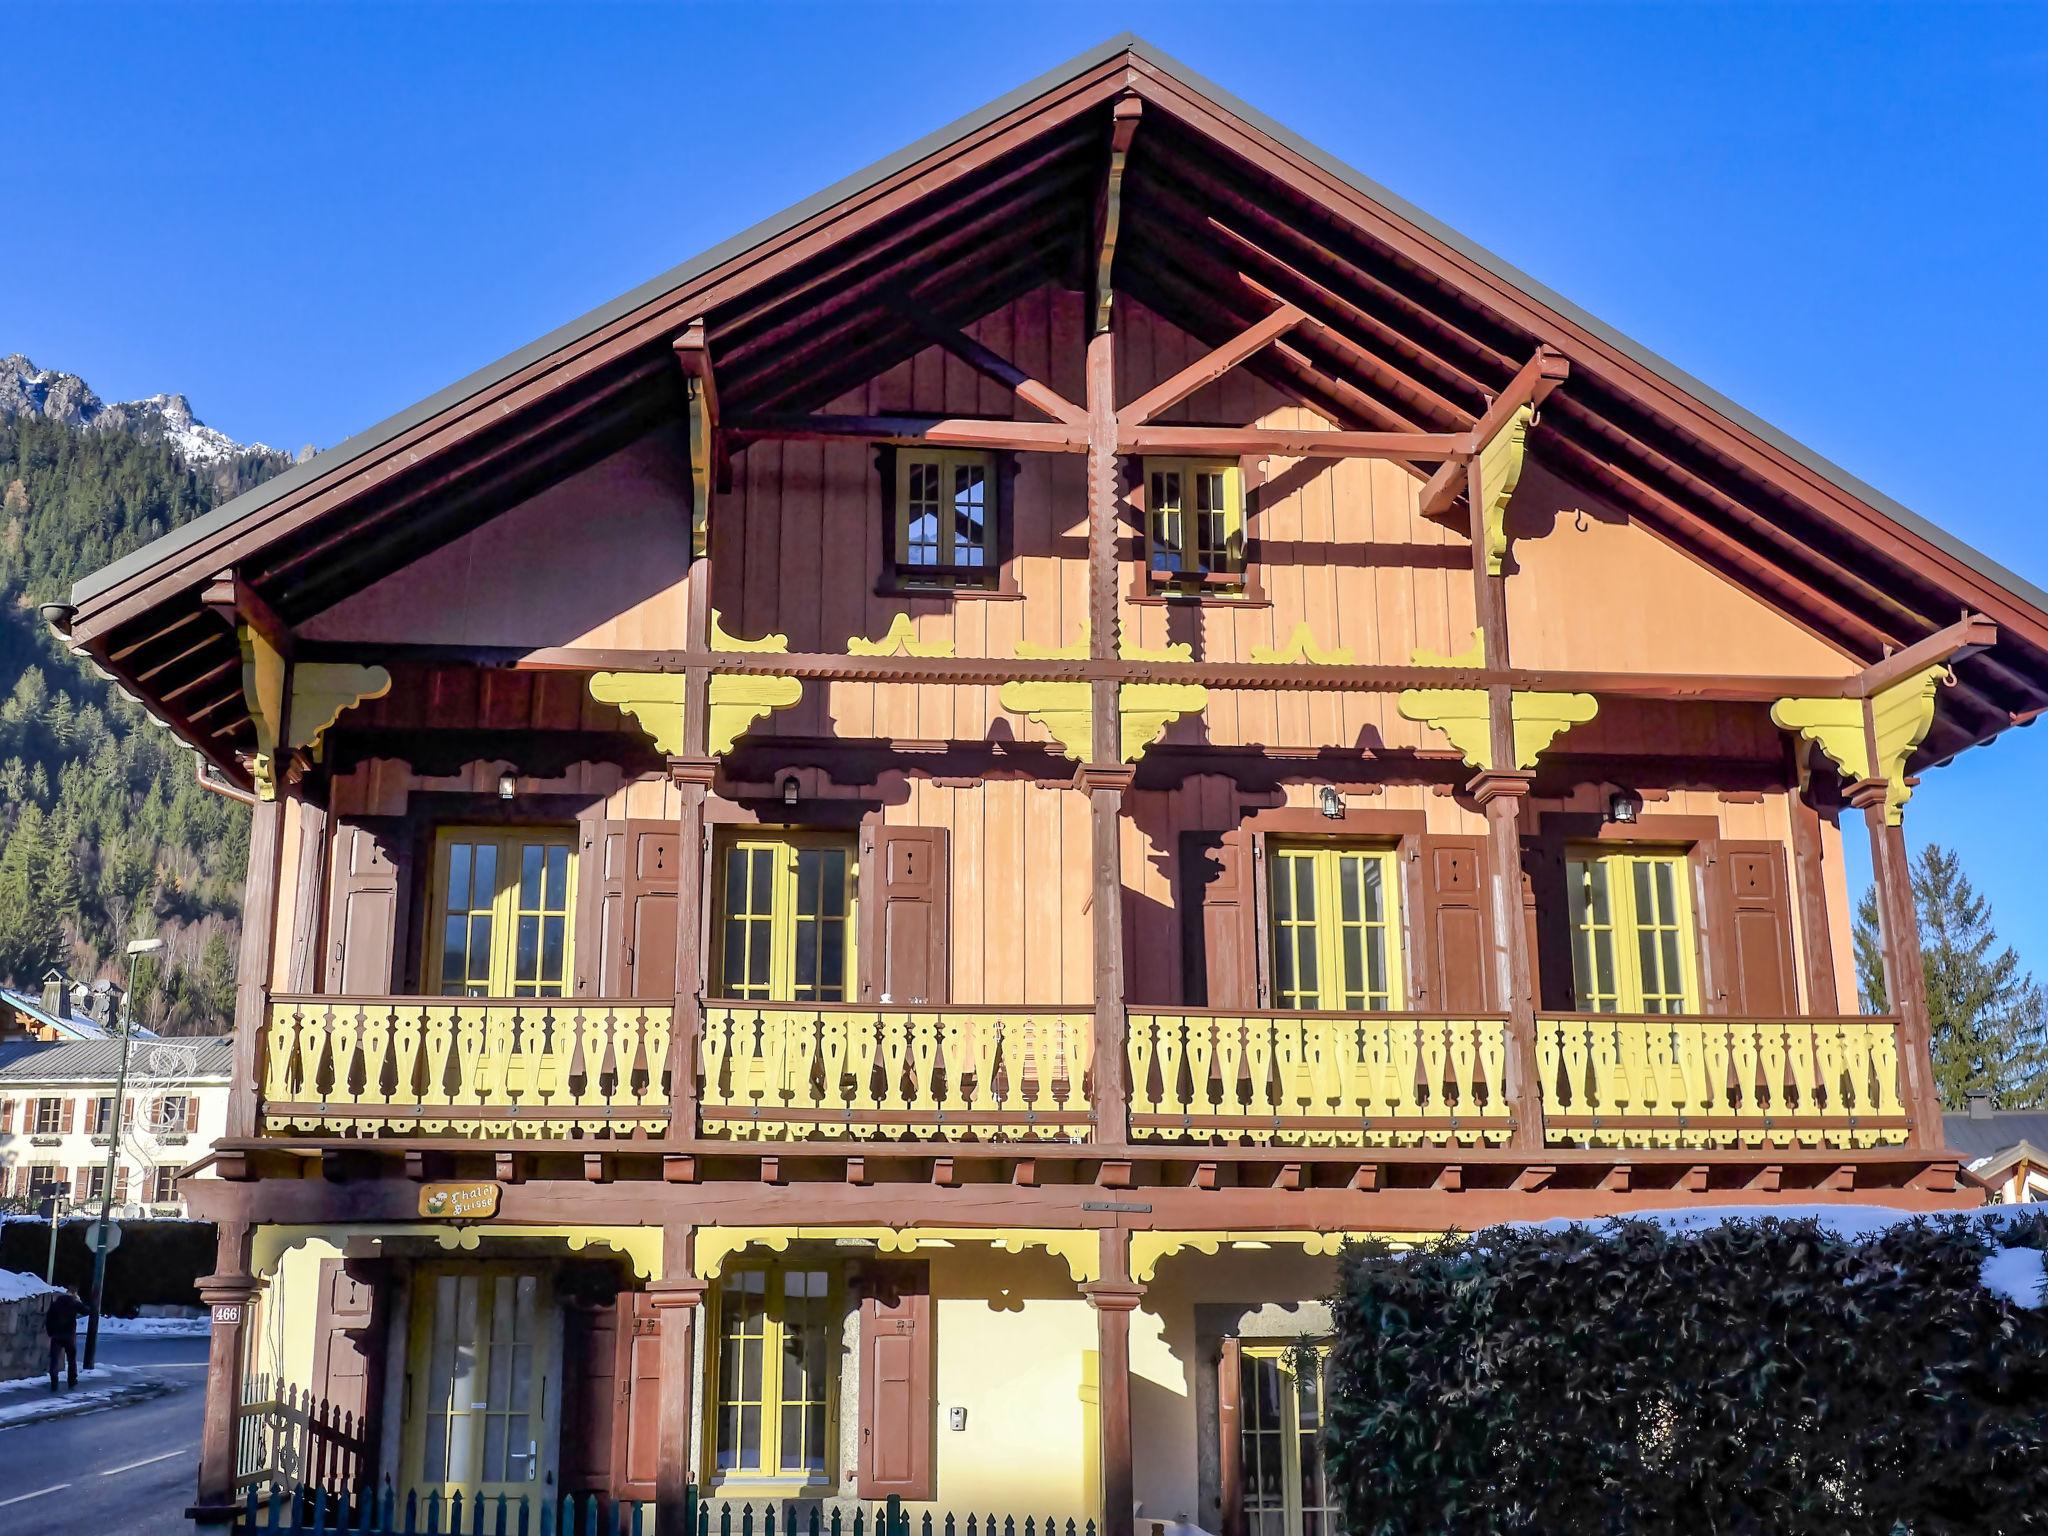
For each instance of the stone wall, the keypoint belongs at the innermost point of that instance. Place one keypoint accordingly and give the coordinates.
(23, 1349)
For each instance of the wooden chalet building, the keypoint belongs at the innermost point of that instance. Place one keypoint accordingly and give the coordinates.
(865, 859)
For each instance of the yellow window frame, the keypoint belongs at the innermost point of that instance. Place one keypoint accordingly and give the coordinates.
(1194, 518)
(766, 1387)
(1635, 945)
(1284, 1359)
(768, 906)
(928, 481)
(1317, 903)
(510, 903)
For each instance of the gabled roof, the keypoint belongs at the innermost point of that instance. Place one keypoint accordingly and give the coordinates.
(69, 1025)
(1995, 1131)
(1227, 213)
(189, 1059)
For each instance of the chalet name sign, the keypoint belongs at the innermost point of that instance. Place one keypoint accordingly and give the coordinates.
(459, 1202)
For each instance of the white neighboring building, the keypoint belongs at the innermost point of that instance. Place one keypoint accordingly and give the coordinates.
(2006, 1148)
(56, 1118)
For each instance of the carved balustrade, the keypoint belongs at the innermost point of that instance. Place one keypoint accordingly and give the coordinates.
(1666, 1081)
(783, 1072)
(459, 1067)
(1319, 1079)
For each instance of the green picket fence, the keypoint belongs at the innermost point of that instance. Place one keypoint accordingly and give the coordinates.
(316, 1512)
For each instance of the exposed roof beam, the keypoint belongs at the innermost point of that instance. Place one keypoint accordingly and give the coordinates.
(693, 353)
(1035, 393)
(1968, 635)
(1233, 441)
(238, 603)
(1545, 370)
(1123, 128)
(942, 432)
(1207, 370)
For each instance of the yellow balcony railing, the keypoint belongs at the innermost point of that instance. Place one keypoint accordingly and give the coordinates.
(1662, 1081)
(483, 1068)
(1318, 1079)
(777, 1071)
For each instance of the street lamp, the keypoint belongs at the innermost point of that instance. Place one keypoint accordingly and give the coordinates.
(137, 948)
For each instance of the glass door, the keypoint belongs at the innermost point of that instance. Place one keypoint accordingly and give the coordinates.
(1284, 1490)
(479, 1363)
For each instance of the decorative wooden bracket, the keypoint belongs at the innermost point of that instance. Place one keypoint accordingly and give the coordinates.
(737, 701)
(1462, 714)
(900, 640)
(318, 691)
(1500, 471)
(1873, 738)
(654, 699)
(1531, 386)
(1123, 128)
(1066, 710)
(1145, 710)
(693, 353)
(1301, 650)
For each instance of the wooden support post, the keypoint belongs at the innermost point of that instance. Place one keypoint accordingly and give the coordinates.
(253, 962)
(227, 1293)
(1115, 1297)
(1105, 776)
(1501, 791)
(678, 1298)
(1905, 981)
(694, 772)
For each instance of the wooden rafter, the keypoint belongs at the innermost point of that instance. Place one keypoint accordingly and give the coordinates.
(1545, 370)
(938, 431)
(1208, 369)
(1236, 441)
(693, 353)
(1123, 129)
(236, 602)
(986, 360)
(1967, 636)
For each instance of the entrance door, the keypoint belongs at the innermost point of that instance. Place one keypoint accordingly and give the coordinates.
(482, 1350)
(1284, 1492)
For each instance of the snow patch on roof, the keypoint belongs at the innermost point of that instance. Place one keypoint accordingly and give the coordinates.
(15, 1286)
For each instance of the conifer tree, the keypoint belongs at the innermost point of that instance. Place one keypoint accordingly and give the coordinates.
(1988, 1018)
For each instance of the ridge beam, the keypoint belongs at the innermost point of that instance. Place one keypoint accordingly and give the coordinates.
(1544, 371)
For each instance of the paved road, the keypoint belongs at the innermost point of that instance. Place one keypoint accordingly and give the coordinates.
(126, 1470)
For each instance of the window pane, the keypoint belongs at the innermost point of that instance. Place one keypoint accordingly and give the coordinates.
(530, 859)
(970, 514)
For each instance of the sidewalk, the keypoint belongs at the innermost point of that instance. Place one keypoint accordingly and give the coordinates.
(29, 1400)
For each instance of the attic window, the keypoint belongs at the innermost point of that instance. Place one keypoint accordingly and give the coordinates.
(945, 519)
(1194, 523)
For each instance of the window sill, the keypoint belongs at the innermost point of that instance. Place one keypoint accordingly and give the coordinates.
(1199, 600)
(744, 1487)
(950, 594)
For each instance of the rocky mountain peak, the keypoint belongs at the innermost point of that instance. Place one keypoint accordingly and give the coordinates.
(26, 390)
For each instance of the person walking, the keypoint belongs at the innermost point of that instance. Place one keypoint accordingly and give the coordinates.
(61, 1324)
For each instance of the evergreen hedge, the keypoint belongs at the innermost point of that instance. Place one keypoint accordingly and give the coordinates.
(1758, 1376)
(158, 1263)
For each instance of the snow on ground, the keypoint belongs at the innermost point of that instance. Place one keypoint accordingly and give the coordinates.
(2017, 1274)
(156, 1327)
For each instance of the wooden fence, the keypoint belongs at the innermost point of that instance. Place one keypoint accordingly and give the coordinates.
(314, 1512)
(285, 1437)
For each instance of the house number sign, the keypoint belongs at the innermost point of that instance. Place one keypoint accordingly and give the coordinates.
(227, 1312)
(459, 1202)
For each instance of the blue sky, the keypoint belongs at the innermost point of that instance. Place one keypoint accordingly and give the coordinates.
(306, 216)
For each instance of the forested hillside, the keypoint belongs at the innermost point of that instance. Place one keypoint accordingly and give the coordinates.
(104, 832)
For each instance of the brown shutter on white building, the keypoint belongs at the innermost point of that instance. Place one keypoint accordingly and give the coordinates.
(904, 904)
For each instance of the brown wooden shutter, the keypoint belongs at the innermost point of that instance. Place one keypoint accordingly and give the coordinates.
(1219, 920)
(637, 1436)
(121, 1186)
(637, 866)
(6, 1116)
(590, 1395)
(81, 1185)
(367, 915)
(1759, 974)
(344, 1347)
(191, 1112)
(896, 1383)
(904, 906)
(1454, 970)
(70, 1113)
